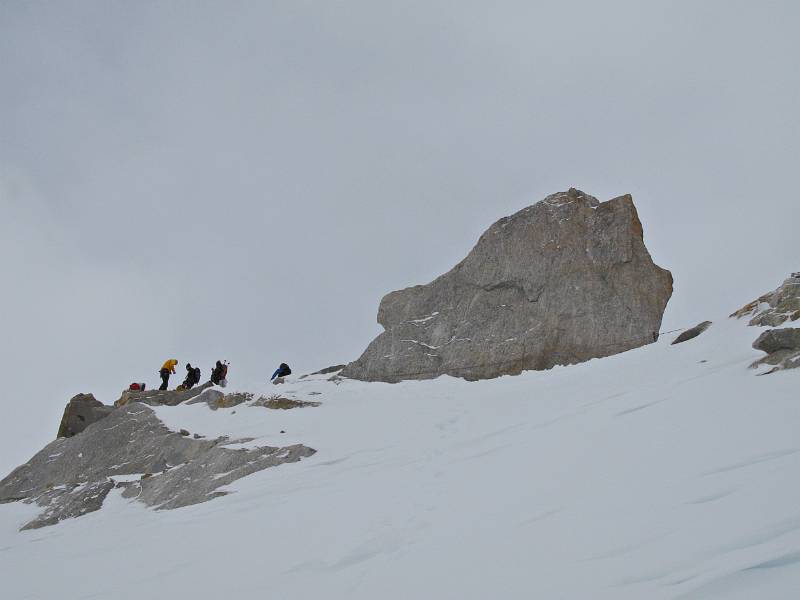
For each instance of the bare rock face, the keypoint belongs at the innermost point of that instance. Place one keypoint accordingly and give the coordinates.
(81, 411)
(560, 282)
(133, 450)
(776, 307)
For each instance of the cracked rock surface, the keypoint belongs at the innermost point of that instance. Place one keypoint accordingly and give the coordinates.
(560, 282)
(132, 449)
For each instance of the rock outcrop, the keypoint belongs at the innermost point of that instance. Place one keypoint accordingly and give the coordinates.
(162, 397)
(216, 399)
(281, 403)
(132, 449)
(776, 307)
(81, 411)
(692, 333)
(782, 347)
(84, 409)
(560, 282)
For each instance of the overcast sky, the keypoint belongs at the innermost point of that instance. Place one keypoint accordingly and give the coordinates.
(246, 180)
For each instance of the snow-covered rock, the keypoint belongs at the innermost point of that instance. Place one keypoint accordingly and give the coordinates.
(71, 477)
(774, 308)
(162, 397)
(777, 308)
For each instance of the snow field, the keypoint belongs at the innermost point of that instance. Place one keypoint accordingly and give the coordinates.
(649, 474)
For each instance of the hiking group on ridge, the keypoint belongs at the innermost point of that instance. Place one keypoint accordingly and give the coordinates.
(219, 375)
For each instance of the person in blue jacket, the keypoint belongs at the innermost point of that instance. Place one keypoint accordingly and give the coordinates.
(281, 371)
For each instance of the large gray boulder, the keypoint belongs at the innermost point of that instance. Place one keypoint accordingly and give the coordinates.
(81, 411)
(782, 347)
(774, 340)
(560, 282)
(133, 450)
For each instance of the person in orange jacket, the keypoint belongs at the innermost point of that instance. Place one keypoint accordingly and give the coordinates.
(166, 369)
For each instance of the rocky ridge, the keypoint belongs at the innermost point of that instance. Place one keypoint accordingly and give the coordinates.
(128, 447)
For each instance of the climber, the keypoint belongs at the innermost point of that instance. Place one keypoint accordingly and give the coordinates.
(281, 371)
(219, 374)
(166, 369)
(192, 377)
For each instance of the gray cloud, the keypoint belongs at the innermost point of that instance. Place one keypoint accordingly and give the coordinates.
(245, 180)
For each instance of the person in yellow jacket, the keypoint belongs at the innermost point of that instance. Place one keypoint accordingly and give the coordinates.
(166, 369)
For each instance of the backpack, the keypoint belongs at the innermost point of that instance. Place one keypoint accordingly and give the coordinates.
(136, 387)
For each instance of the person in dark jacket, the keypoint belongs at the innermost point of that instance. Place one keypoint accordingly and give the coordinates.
(192, 376)
(281, 371)
(219, 373)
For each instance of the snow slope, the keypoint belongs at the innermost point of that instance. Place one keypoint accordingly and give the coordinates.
(664, 472)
